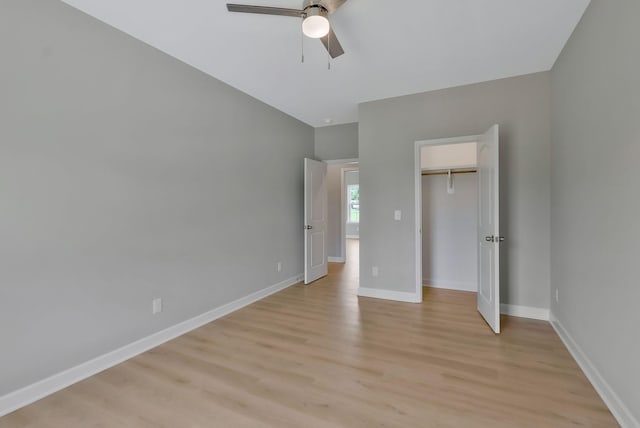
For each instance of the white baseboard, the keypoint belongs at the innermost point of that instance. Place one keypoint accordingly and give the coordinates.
(353, 236)
(27, 395)
(525, 312)
(619, 410)
(506, 309)
(450, 285)
(400, 296)
(336, 259)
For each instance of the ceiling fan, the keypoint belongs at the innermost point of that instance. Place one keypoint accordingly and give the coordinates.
(315, 21)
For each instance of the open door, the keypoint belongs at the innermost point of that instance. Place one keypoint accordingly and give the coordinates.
(488, 229)
(315, 220)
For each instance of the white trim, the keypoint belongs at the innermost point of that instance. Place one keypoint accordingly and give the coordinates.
(343, 241)
(450, 285)
(352, 236)
(418, 216)
(617, 407)
(506, 309)
(450, 140)
(336, 259)
(525, 312)
(30, 393)
(400, 296)
(338, 161)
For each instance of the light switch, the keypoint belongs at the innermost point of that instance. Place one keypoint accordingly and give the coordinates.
(156, 306)
(397, 215)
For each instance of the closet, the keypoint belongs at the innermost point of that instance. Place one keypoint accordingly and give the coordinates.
(449, 216)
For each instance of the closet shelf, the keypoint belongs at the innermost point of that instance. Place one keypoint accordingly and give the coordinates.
(446, 171)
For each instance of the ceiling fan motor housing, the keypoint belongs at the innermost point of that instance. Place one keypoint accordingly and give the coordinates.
(313, 8)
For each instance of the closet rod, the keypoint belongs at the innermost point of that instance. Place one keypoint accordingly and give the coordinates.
(446, 171)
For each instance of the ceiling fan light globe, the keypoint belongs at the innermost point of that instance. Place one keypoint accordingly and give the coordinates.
(315, 26)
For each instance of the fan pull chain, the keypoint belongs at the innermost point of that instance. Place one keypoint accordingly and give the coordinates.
(329, 50)
(301, 47)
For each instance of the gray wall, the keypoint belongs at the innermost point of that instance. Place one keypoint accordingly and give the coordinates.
(595, 205)
(337, 142)
(120, 181)
(387, 132)
(450, 232)
(352, 230)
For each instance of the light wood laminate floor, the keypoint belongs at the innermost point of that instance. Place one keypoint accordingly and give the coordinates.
(318, 356)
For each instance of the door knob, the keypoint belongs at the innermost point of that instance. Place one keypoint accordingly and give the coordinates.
(307, 227)
(500, 238)
(489, 238)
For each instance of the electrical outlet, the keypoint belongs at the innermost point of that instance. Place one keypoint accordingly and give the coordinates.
(397, 215)
(556, 295)
(156, 306)
(279, 266)
(374, 271)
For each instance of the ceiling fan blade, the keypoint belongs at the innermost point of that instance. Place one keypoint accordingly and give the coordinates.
(332, 5)
(330, 41)
(265, 10)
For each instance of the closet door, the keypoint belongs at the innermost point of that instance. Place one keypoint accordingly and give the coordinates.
(488, 229)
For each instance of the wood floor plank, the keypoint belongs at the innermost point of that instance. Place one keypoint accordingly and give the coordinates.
(319, 356)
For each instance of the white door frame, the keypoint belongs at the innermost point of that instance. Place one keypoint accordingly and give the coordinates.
(418, 197)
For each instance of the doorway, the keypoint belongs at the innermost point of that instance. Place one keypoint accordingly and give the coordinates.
(449, 216)
(350, 209)
(343, 202)
(447, 171)
(332, 216)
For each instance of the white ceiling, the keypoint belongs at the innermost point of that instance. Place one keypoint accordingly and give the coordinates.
(392, 47)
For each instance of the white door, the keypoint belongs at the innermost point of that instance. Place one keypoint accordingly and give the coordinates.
(315, 220)
(488, 229)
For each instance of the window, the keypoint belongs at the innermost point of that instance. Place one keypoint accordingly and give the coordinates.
(353, 203)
